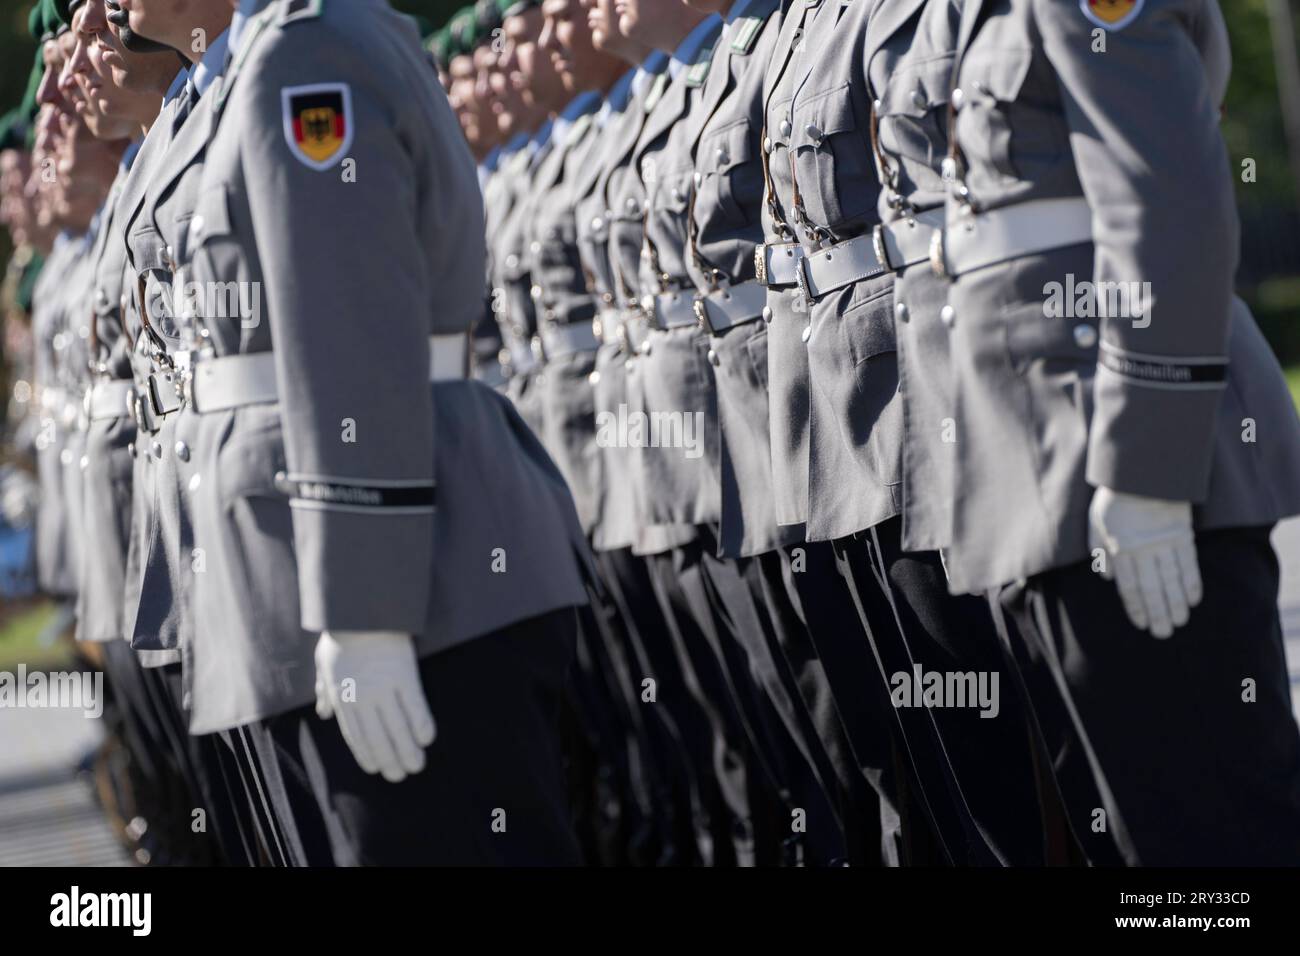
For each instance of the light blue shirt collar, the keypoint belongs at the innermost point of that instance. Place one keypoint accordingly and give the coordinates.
(247, 9)
(684, 56)
(212, 64)
(579, 106)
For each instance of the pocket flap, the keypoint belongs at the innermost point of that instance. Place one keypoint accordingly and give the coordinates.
(823, 115)
(916, 88)
(727, 147)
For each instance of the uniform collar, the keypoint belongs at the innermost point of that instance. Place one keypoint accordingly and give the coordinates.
(686, 52)
(617, 100)
(651, 67)
(579, 106)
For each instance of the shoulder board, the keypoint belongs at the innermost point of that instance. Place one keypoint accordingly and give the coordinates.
(254, 30)
(656, 91)
(302, 10)
(579, 127)
(697, 73)
(744, 32)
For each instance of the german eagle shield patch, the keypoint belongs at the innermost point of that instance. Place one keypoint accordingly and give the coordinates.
(1111, 14)
(318, 122)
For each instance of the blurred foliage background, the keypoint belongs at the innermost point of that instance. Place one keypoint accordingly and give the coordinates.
(1269, 276)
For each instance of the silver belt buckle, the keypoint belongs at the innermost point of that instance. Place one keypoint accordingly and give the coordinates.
(937, 259)
(760, 263)
(878, 245)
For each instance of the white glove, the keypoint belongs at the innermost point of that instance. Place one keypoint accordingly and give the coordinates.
(383, 714)
(1150, 554)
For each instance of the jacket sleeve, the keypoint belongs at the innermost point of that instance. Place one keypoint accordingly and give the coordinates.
(348, 303)
(1143, 127)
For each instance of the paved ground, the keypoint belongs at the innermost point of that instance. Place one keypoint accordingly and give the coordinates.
(48, 816)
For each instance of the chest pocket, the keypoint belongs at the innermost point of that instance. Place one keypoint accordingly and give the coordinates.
(221, 294)
(730, 182)
(833, 165)
(912, 119)
(989, 112)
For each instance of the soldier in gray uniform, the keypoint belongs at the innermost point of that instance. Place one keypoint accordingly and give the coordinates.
(721, 229)
(677, 371)
(323, 447)
(664, 734)
(825, 195)
(532, 73)
(1126, 446)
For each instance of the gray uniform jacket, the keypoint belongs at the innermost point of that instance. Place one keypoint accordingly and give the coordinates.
(512, 293)
(909, 60)
(1061, 386)
(619, 524)
(155, 226)
(679, 464)
(317, 511)
(565, 313)
(625, 193)
(855, 416)
(110, 433)
(722, 232)
(54, 571)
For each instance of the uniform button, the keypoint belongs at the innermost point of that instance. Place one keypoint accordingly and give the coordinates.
(877, 105)
(182, 451)
(713, 358)
(767, 144)
(84, 332)
(957, 98)
(130, 449)
(677, 195)
(1085, 335)
(900, 310)
(947, 315)
(632, 206)
(196, 226)
(102, 298)
(85, 462)
(194, 482)
(806, 334)
(594, 378)
(65, 457)
(814, 134)
(156, 448)
(920, 100)
(767, 313)
(699, 180)
(597, 224)
(785, 128)
(534, 247)
(645, 347)
(723, 158)
(535, 292)
(512, 261)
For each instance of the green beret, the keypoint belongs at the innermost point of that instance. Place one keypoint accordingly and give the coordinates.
(36, 21)
(56, 20)
(510, 8)
(34, 78)
(487, 17)
(439, 44)
(461, 32)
